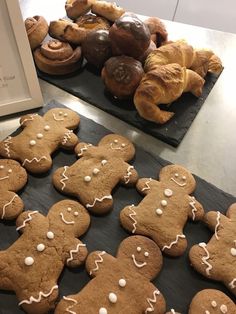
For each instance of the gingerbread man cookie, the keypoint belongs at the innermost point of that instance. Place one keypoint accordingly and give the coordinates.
(164, 211)
(211, 301)
(100, 168)
(121, 284)
(40, 138)
(217, 259)
(13, 177)
(33, 264)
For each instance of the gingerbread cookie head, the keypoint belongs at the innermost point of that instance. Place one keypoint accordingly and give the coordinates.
(13, 177)
(64, 117)
(118, 146)
(141, 254)
(71, 216)
(211, 301)
(178, 177)
(40, 137)
(216, 259)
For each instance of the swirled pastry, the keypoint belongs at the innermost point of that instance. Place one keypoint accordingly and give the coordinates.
(37, 29)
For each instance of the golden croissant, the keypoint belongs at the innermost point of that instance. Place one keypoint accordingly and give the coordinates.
(198, 60)
(163, 85)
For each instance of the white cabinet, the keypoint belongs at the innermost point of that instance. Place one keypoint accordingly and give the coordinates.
(163, 9)
(215, 14)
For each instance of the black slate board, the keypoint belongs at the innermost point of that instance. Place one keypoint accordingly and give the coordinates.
(87, 85)
(177, 280)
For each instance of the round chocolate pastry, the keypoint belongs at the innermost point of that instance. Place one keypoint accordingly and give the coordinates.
(57, 58)
(91, 22)
(97, 47)
(130, 35)
(121, 75)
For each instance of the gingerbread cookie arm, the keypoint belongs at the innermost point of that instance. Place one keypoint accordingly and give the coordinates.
(145, 185)
(11, 205)
(28, 119)
(129, 175)
(27, 218)
(231, 212)
(69, 139)
(155, 302)
(214, 220)
(82, 148)
(6, 148)
(98, 261)
(5, 282)
(196, 211)
(76, 253)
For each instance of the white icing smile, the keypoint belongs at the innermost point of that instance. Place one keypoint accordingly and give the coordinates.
(138, 264)
(66, 221)
(179, 183)
(4, 178)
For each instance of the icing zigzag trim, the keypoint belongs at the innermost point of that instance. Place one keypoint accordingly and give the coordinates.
(74, 251)
(68, 309)
(100, 260)
(39, 298)
(27, 219)
(7, 204)
(34, 159)
(151, 301)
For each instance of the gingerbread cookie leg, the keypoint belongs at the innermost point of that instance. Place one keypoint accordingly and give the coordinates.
(11, 206)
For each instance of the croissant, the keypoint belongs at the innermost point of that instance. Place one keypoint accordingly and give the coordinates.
(67, 31)
(58, 58)
(163, 85)
(36, 29)
(198, 60)
(76, 8)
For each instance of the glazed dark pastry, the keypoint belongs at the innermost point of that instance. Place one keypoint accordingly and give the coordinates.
(37, 29)
(67, 31)
(157, 29)
(130, 35)
(91, 22)
(97, 47)
(76, 8)
(121, 75)
(57, 58)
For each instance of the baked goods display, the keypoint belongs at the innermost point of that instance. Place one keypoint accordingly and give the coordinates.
(40, 137)
(216, 259)
(31, 264)
(36, 29)
(146, 41)
(122, 75)
(13, 178)
(92, 178)
(40, 253)
(165, 209)
(122, 283)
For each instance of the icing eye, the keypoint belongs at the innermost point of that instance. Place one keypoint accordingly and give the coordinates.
(139, 249)
(115, 141)
(214, 304)
(123, 145)
(60, 113)
(9, 171)
(47, 128)
(76, 214)
(146, 254)
(69, 209)
(1, 167)
(65, 114)
(184, 178)
(32, 142)
(176, 175)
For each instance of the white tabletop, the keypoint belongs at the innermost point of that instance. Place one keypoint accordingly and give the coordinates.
(209, 147)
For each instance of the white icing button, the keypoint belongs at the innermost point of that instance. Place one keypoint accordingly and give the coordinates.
(112, 297)
(29, 261)
(65, 114)
(76, 214)
(139, 249)
(123, 145)
(32, 142)
(69, 209)
(207, 312)
(164, 203)
(9, 171)
(103, 162)
(1, 167)
(102, 310)
(159, 211)
(50, 235)
(146, 254)
(87, 178)
(233, 251)
(95, 171)
(168, 192)
(214, 304)
(39, 135)
(115, 141)
(47, 128)
(40, 247)
(224, 309)
(122, 283)
(176, 175)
